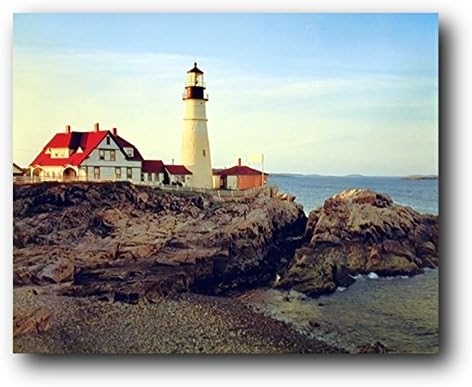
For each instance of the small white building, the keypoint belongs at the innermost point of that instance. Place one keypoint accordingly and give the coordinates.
(153, 171)
(177, 175)
(18, 171)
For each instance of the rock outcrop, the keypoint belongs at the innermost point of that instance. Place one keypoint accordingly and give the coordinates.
(30, 322)
(360, 231)
(117, 241)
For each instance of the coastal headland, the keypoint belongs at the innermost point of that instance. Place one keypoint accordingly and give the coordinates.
(114, 267)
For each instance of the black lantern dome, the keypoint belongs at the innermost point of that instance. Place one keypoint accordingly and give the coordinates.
(195, 85)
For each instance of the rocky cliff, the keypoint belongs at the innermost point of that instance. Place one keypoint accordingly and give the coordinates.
(360, 231)
(123, 242)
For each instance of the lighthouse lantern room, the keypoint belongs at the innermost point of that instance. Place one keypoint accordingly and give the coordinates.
(195, 144)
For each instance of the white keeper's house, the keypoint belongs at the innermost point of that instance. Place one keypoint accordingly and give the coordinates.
(101, 155)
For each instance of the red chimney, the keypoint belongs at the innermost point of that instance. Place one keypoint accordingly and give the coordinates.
(114, 131)
(68, 129)
(96, 127)
(239, 162)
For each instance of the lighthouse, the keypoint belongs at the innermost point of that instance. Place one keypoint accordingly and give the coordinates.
(195, 144)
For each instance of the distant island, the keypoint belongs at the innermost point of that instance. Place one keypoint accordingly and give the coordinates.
(286, 174)
(354, 175)
(420, 177)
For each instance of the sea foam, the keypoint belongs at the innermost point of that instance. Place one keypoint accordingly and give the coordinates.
(372, 275)
(357, 277)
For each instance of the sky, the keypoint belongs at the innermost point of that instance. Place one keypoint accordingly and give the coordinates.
(329, 94)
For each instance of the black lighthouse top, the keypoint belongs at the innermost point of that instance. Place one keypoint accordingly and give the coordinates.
(195, 69)
(195, 85)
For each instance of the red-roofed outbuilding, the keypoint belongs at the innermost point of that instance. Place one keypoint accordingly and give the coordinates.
(239, 177)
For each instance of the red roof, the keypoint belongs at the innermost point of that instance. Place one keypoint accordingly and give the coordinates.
(239, 170)
(87, 141)
(122, 143)
(177, 170)
(156, 166)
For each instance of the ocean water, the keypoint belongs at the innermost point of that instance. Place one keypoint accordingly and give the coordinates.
(312, 191)
(401, 312)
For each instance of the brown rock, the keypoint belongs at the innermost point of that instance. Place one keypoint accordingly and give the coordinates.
(376, 347)
(120, 241)
(359, 231)
(35, 321)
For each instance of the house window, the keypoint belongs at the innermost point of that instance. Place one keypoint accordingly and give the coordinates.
(150, 176)
(117, 173)
(142, 176)
(204, 152)
(101, 154)
(129, 173)
(112, 155)
(96, 173)
(108, 140)
(129, 152)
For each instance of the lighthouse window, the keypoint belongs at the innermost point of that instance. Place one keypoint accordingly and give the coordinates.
(204, 152)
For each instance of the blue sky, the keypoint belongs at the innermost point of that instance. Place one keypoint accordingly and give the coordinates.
(316, 93)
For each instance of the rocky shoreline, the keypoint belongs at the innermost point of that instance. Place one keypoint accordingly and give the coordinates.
(113, 267)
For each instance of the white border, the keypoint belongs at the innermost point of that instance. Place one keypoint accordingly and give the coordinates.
(451, 367)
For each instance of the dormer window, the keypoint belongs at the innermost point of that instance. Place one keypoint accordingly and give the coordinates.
(58, 153)
(129, 152)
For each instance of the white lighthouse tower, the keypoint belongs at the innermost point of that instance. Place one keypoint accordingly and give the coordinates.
(195, 144)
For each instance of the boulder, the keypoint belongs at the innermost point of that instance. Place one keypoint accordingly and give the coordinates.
(361, 231)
